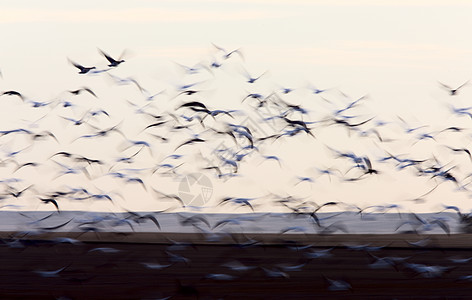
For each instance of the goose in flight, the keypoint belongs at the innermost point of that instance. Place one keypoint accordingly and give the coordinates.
(54, 273)
(113, 62)
(82, 69)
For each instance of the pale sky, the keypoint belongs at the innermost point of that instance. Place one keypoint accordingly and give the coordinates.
(361, 46)
(394, 51)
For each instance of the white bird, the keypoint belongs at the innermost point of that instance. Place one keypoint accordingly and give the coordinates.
(319, 253)
(287, 268)
(155, 266)
(386, 262)
(105, 250)
(420, 243)
(14, 243)
(294, 229)
(465, 278)
(54, 273)
(238, 266)
(177, 258)
(275, 273)
(460, 260)
(66, 240)
(427, 271)
(220, 276)
(338, 285)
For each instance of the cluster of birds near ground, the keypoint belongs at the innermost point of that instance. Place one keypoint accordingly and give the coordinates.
(294, 258)
(86, 148)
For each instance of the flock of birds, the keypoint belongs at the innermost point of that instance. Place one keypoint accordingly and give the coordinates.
(298, 258)
(80, 140)
(84, 148)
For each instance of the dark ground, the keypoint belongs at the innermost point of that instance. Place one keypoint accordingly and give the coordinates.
(122, 275)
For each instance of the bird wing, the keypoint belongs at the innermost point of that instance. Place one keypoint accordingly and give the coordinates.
(464, 84)
(444, 85)
(80, 67)
(108, 57)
